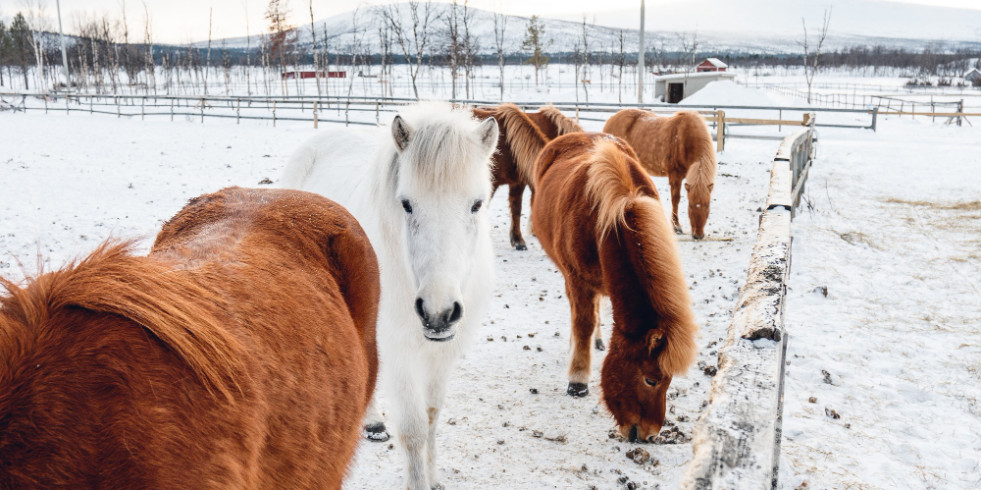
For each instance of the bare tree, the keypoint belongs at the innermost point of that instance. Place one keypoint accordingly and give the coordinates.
(500, 25)
(470, 44)
(207, 59)
(811, 67)
(412, 48)
(148, 61)
(453, 45)
(584, 79)
(282, 37)
(313, 47)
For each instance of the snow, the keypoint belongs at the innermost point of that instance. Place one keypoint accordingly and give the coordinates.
(889, 224)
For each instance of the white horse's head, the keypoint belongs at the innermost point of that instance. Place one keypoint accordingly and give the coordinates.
(442, 180)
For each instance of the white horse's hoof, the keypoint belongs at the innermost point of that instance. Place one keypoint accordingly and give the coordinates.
(376, 432)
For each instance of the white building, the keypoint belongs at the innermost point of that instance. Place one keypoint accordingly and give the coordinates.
(673, 88)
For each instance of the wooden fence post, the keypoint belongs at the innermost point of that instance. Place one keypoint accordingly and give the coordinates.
(202, 111)
(315, 114)
(720, 135)
(960, 110)
(274, 113)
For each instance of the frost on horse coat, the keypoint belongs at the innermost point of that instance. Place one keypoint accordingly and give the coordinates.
(599, 219)
(419, 189)
(239, 354)
(678, 147)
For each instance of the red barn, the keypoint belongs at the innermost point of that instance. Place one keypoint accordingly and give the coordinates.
(711, 64)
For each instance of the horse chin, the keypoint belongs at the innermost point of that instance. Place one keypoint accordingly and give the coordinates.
(444, 336)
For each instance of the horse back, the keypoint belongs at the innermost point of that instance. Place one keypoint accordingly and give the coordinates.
(114, 394)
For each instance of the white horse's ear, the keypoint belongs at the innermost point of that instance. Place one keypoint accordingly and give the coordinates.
(401, 133)
(488, 134)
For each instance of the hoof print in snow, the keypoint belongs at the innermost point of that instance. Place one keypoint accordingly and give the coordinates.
(638, 455)
(813, 399)
(823, 290)
(830, 412)
(827, 377)
(577, 390)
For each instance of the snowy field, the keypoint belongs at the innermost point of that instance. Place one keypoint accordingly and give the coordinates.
(890, 225)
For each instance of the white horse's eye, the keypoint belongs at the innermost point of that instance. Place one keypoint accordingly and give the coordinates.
(406, 206)
(476, 206)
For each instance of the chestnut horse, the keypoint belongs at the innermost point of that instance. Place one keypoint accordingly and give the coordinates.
(518, 143)
(599, 218)
(553, 123)
(679, 147)
(239, 354)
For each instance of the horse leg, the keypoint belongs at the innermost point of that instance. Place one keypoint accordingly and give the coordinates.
(598, 330)
(515, 194)
(584, 303)
(434, 404)
(675, 199)
(412, 434)
(374, 424)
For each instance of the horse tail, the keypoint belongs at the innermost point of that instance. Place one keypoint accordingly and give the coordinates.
(166, 302)
(640, 262)
(523, 137)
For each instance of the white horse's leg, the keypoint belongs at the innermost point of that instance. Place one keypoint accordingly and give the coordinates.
(374, 424)
(434, 404)
(410, 421)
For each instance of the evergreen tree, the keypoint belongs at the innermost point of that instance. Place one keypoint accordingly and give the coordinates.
(534, 43)
(21, 42)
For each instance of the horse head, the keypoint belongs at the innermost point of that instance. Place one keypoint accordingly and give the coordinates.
(698, 185)
(634, 385)
(442, 181)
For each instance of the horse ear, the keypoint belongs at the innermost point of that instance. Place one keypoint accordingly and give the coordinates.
(655, 339)
(488, 133)
(711, 186)
(687, 187)
(401, 132)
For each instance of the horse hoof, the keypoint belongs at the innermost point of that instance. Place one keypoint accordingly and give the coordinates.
(376, 432)
(438, 486)
(600, 345)
(521, 246)
(677, 230)
(577, 390)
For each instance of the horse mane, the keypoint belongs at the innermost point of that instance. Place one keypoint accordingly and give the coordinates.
(622, 204)
(443, 142)
(166, 302)
(523, 136)
(563, 124)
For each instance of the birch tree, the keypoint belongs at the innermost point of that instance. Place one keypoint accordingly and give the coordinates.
(812, 59)
(412, 40)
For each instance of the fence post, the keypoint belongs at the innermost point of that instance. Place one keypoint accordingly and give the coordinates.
(720, 135)
(45, 104)
(143, 109)
(238, 111)
(875, 116)
(171, 110)
(274, 113)
(315, 114)
(202, 111)
(960, 110)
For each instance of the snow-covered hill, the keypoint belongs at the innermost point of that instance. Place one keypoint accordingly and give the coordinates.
(766, 26)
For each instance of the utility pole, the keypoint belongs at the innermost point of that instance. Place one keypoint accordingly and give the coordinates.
(64, 52)
(640, 58)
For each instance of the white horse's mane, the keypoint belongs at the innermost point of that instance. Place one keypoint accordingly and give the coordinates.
(443, 141)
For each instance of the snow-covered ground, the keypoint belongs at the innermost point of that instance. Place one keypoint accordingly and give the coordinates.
(884, 312)
(890, 225)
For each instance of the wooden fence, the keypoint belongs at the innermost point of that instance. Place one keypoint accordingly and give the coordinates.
(736, 442)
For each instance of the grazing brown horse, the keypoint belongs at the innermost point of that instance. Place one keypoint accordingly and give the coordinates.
(679, 147)
(599, 218)
(518, 144)
(239, 354)
(553, 123)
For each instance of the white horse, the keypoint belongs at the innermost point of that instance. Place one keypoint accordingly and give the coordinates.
(421, 200)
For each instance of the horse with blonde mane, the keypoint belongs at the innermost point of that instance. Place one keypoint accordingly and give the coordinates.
(239, 354)
(679, 147)
(522, 137)
(600, 220)
(418, 188)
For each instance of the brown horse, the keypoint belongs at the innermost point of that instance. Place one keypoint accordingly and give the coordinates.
(239, 354)
(679, 147)
(518, 144)
(553, 123)
(599, 218)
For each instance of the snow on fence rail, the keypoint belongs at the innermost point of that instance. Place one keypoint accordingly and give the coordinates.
(736, 442)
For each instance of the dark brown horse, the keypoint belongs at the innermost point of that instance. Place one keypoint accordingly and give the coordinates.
(239, 354)
(522, 136)
(599, 218)
(679, 147)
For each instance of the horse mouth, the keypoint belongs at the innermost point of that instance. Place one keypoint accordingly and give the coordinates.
(441, 336)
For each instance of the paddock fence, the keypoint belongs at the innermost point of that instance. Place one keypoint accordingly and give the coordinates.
(736, 442)
(726, 120)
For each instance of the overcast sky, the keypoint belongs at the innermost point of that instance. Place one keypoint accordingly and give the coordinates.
(180, 21)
